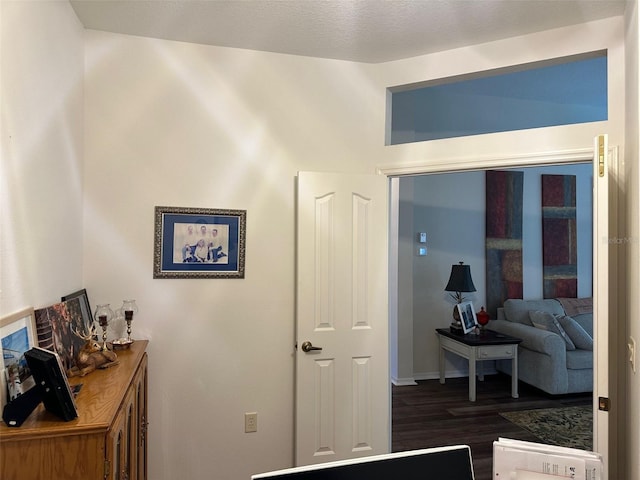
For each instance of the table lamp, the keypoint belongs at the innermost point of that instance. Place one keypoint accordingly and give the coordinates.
(459, 282)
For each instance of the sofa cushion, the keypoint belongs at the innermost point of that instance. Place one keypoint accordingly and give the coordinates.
(547, 321)
(586, 321)
(580, 338)
(517, 310)
(576, 306)
(579, 359)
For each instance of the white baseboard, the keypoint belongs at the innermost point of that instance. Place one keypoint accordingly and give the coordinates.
(403, 382)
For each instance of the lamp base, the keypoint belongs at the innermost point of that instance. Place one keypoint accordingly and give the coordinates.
(456, 327)
(456, 314)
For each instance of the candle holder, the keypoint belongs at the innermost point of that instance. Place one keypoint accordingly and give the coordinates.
(127, 311)
(104, 315)
(117, 327)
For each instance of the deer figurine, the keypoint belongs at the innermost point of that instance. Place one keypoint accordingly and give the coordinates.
(91, 355)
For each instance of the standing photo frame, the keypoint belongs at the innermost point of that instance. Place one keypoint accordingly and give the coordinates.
(467, 316)
(87, 315)
(17, 336)
(61, 328)
(199, 243)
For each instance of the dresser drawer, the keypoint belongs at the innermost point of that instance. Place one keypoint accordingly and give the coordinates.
(490, 352)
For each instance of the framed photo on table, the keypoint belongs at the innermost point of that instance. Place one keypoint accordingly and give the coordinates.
(199, 243)
(467, 316)
(17, 335)
(60, 328)
(85, 307)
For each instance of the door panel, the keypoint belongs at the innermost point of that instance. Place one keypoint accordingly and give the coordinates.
(342, 390)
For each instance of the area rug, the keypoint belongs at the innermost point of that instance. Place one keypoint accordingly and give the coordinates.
(564, 427)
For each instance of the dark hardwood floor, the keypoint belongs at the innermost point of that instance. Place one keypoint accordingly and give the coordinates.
(430, 414)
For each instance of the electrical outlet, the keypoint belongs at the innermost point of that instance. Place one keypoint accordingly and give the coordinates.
(250, 422)
(632, 353)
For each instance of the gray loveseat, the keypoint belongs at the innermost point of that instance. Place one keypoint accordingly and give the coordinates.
(555, 355)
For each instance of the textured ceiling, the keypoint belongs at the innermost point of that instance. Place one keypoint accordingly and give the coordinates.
(369, 31)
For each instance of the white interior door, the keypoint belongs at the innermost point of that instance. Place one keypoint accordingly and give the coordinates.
(342, 389)
(601, 331)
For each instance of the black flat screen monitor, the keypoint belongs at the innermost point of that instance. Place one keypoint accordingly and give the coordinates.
(52, 382)
(442, 463)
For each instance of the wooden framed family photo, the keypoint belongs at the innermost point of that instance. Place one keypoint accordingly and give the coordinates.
(199, 243)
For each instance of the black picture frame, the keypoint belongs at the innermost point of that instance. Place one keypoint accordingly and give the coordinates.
(52, 382)
(85, 306)
(199, 243)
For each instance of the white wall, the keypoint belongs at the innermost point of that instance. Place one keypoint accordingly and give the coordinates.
(450, 208)
(184, 125)
(169, 123)
(41, 79)
(402, 373)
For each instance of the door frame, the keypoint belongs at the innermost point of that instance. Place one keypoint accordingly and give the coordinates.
(440, 166)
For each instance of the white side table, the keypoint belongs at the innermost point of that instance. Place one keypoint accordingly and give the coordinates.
(489, 345)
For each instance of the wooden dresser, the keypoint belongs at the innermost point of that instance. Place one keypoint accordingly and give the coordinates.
(108, 440)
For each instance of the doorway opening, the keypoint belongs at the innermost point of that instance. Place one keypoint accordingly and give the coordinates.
(450, 209)
(399, 307)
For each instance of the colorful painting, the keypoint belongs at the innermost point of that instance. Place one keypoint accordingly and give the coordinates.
(56, 328)
(503, 237)
(559, 239)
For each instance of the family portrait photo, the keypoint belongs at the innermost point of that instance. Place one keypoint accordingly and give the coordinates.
(199, 243)
(17, 335)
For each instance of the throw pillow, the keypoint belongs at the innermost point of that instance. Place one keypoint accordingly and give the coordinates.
(547, 321)
(577, 334)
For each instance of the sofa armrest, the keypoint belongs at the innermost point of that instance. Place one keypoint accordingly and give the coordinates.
(533, 338)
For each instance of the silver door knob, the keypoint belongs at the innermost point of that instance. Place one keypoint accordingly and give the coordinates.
(308, 347)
